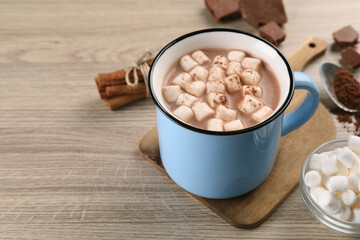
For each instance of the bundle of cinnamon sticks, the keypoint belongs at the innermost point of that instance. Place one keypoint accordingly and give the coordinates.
(115, 92)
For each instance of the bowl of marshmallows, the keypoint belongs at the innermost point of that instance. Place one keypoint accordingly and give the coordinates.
(330, 184)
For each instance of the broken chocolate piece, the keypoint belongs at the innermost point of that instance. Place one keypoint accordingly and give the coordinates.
(272, 32)
(351, 57)
(346, 36)
(223, 10)
(260, 12)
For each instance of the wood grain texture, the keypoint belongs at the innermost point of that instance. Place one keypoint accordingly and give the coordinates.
(70, 168)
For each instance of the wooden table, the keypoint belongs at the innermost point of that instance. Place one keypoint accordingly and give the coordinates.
(69, 167)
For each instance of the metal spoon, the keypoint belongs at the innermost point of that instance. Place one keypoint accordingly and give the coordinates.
(327, 73)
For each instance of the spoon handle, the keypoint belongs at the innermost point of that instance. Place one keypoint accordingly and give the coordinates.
(310, 48)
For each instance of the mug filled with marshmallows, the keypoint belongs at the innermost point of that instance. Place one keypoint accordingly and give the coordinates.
(220, 98)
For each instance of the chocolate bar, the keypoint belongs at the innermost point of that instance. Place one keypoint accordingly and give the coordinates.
(224, 10)
(346, 36)
(350, 57)
(272, 32)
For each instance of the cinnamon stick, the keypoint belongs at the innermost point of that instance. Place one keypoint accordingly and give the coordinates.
(118, 90)
(117, 102)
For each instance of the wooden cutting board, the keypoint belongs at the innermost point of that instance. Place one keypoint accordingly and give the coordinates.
(252, 209)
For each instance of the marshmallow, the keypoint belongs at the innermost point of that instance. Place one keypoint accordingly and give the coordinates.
(254, 90)
(336, 183)
(225, 113)
(347, 157)
(186, 99)
(199, 73)
(202, 110)
(249, 104)
(312, 178)
(251, 63)
(262, 114)
(348, 198)
(171, 93)
(353, 182)
(233, 83)
(344, 214)
(233, 125)
(334, 152)
(316, 159)
(200, 57)
(220, 61)
(236, 56)
(187, 63)
(330, 166)
(214, 99)
(315, 193)
(329, 202)
(215, 86)
(250, 77)
(343, 171)
(215, 125)
(356, 215)
(233, 68)
(216, 73)
(354, 143)
(182, 80)
(196, 88)
(184, 113)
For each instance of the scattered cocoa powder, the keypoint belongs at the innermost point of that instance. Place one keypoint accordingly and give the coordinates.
(349, 121)
(347, 89)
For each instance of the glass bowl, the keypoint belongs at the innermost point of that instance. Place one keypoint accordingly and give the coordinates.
(313, 207)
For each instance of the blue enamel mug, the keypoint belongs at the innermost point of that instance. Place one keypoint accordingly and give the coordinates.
(226, 164)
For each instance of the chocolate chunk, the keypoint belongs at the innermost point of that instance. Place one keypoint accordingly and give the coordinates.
(346, 36)
(260, 12)
(223, 10)
(351, 57)
(272, 32)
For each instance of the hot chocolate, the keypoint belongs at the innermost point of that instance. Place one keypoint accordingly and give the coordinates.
(221, 90)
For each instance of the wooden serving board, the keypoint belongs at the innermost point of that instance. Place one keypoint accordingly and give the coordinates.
(252, 209)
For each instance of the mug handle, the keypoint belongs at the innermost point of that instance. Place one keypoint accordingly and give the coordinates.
(305, 111)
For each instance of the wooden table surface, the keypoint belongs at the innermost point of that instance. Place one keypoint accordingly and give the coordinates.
(69, 167)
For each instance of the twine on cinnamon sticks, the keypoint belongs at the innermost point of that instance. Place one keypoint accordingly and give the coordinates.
(126, 85)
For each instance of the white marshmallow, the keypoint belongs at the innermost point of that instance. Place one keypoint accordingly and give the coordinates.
(334, 152)
(250, 77)
(336, 183)
(186, 99)
(187, 63)
(344, 214)
(356, 215)
(171, 93)
(347, 157)
(343, 171)
(354, 143)
(220, 61)
(233, 125)
(196, 88)
(202, 110)
(312, 178)
(200, 57)
(262, 114)
(216, 73)
(214, 99)
(184, 113)
(236, 56)
(182, 80)
(316, 159)
(254, 90)
(225, 113)
(199, 73)
(233, 83)
(353, 182)
(348, 198)
(233, 68)
(249, 104)
(215, 86)
(215, 125)
(329, 166)
(329, 202)
(251, 63)
(315, 193)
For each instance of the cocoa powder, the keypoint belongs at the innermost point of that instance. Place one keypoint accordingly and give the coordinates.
(347, 89)
(349, 121)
